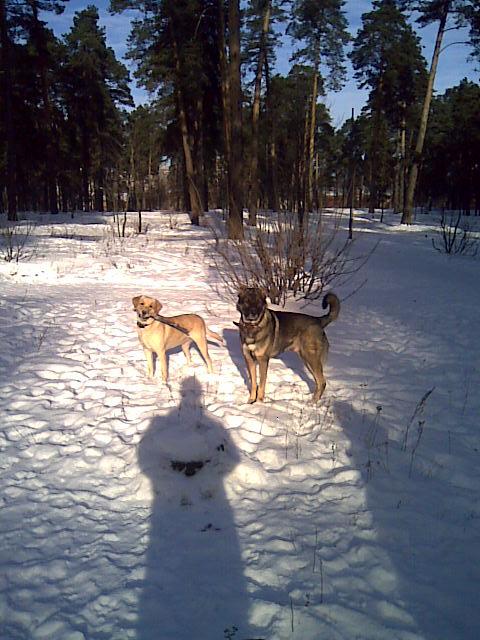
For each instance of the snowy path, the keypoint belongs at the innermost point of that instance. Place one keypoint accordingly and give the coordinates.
(308, 522)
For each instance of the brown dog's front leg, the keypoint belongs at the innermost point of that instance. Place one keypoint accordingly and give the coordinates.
(263, 367)
(252, 374)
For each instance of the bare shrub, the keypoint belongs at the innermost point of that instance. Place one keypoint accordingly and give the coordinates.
(14, 242)
(287, 258)
(119, 224)
(453, 238)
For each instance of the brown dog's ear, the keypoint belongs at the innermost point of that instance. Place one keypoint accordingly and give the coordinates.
(135, 301)
(241, 289)
(157, 306)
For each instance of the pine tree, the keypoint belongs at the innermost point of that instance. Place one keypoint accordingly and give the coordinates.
(450, 174)
(320, 27)
(459, 12)
(95, 85)
(387, 59)
(41, 40)
(6, 97)
(234, 116)
(261, 19)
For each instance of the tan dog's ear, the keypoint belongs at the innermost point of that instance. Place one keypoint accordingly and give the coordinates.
(157, 305)
(135, 301)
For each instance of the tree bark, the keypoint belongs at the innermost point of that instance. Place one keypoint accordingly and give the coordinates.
(50, 170)
(11, 169)
(273, 202)
(407, 217)
(193, 192)
(253, 190)
(235, 164)
(311, 140)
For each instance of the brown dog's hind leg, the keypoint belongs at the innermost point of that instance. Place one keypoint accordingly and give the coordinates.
(313, 362)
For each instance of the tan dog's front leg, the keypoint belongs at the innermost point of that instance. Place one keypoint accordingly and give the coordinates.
(252, 374)
(149, 359)
(263, 367)
(162, 360)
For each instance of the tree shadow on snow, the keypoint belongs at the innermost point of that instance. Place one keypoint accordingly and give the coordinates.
(194, 584)
(232, 340)
(430, 562)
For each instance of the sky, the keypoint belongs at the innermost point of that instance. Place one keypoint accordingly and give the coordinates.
(452, 68)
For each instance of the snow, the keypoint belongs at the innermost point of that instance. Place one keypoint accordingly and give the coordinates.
(358, 518)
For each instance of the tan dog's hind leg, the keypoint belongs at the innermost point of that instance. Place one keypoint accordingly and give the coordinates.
(203, 348)
(186, 351)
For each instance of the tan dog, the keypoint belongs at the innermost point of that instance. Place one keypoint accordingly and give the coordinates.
(157, 337)
(265, 333)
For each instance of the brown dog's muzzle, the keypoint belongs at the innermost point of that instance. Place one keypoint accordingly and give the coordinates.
(251, 307)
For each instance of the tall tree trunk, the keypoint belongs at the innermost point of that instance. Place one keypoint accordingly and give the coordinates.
(353, 171)
(235, 164)
(403, 160)
(50, 169)
(227, 134)
(193, 192)
(225, 94)
(85, 168)
(311, 139)
(253, 182)
(303, 169)
(273, 202)
(407, 217)
(11, 168)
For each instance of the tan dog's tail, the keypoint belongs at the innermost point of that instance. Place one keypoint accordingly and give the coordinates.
(214, 336)
(332, 301)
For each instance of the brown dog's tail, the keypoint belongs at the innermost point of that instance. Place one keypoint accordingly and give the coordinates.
(214, 336)
(332, 301)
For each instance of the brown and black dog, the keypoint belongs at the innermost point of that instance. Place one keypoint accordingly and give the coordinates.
(265, 333)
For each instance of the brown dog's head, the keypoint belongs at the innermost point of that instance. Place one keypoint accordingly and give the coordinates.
(252, 302)
(146, 307)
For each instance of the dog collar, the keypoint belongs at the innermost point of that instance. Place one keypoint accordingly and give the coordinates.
(255, 323)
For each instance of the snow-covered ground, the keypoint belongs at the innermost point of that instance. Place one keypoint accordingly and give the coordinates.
(356, 519)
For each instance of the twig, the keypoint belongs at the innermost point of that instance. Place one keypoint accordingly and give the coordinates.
(419, 436)
(418, 411)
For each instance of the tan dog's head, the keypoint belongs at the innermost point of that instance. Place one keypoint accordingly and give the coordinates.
(146, 307)
(252, 302)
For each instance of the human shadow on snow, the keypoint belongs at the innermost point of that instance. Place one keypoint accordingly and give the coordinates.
(194, 585)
